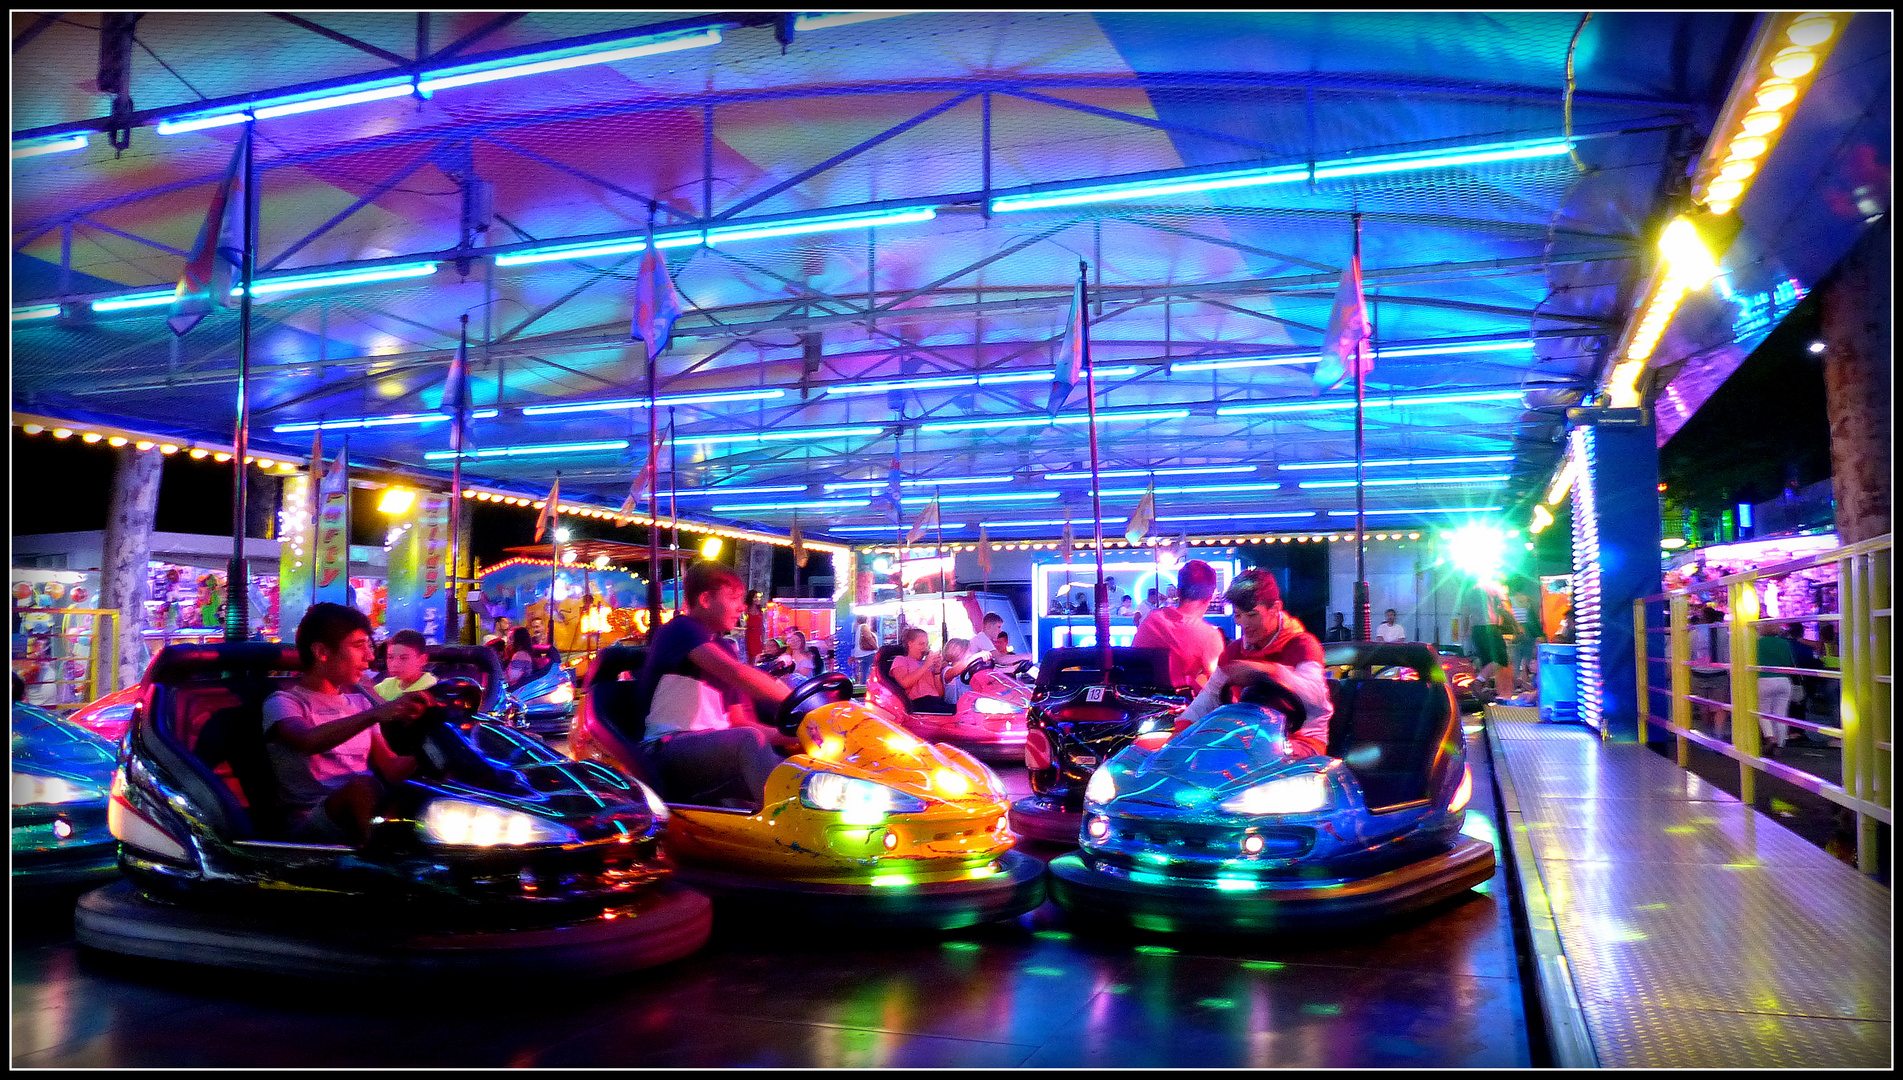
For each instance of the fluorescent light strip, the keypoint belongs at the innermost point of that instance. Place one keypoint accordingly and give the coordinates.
(1113, 474)
(1423, 510)
(642, 403)
(1043, 421)
(1308, 485)
(649, 47)
(1453, 349)
(820, 20)
(621, 246)
(949, 526)
(1443, 159)
(1241, 517)
(377, 421)
(801, 226)
(1198, 489)
(136, 300)
(266, 286)
(747, 489)
(928, 481)
(1029, 524)
(447, 78)
(58, 145)
(36, 312)
(1349, 403)
(823, 504)
(529, 451)
(963, 381)
(783, 436)
(1284, 174)
(1020, 496)
(1471, 459)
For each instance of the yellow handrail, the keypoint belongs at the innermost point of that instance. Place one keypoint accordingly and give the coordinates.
(1863, 618)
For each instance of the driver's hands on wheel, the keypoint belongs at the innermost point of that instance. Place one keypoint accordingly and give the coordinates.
(405, 707)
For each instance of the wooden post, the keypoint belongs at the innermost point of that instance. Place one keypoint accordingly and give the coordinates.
(124, 574)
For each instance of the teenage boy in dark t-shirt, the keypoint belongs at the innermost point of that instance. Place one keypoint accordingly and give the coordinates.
(697, 693)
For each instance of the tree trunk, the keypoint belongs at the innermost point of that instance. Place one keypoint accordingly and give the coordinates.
(1856, 311)
(124, 576)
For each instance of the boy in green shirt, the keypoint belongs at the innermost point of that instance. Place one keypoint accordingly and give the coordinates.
(404, 659)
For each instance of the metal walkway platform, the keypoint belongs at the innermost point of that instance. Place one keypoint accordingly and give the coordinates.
(1682, 928)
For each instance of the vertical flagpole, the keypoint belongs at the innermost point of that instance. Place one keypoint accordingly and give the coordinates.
(317, 510)
(674, 512)
(1096, 497)
(938, 552)
(1362, 347)
(554, 553)
(343, 463)
(654, 512)
(237, 594)
(452, 629)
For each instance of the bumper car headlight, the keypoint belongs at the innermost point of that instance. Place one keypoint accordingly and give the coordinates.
(858, 802)
(1102, 787)
(29, 790)
(468, 824)
(1289, 795)
(562, 694)
(994, 706)
(655, 805)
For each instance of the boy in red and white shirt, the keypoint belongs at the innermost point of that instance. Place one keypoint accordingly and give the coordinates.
(1274, 647)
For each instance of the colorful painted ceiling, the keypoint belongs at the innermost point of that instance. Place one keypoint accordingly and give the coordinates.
(880, 225)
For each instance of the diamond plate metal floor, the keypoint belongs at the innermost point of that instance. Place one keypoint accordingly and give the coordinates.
(1699, 932)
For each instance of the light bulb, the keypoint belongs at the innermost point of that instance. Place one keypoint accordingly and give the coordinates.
(1775, 94)
(1811, 30)
(1760, 123)
(1793, 63)
(1746, 149)
(1737, 170)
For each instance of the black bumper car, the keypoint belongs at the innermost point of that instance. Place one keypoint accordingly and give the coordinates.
(500, 857)
(1220, 831)
(547, 696)
(1076, 722)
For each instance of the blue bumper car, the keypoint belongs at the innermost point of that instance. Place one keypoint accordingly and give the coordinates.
(61, 776)
(1078, 720)
(547, 696)
(499, 857)
(1219, 830)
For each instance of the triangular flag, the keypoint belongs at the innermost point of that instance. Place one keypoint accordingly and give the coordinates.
(1141, 518)
(1069, 541)
(799, 542)
(1073, 349)
(218, 251)
(317, 456)
(1344, 344)
(926, 520)
(456, 397)
(656, 304)
(984, 551)
(545, 523)
(337, 477)
(639, 489)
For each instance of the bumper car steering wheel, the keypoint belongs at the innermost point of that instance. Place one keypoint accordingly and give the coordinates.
(787, 717)
(973, 668)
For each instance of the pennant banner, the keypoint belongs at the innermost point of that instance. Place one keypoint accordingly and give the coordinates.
(456, 397)
(984, 551)
(656, 304)
(1073, 349)
(1344, 344)
(219, 250)
(799, 542)
(296, 537)
(1069, 541)
(545, 522)
(926, 520)
(1141, 518)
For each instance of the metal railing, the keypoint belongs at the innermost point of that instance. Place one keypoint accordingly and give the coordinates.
(1859, 707)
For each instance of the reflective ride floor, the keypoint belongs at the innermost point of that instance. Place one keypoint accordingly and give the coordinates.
(1439, 989)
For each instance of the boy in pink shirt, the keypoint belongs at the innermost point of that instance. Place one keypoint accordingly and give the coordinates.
(1194, 645)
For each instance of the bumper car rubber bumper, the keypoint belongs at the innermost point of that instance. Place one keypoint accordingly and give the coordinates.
(1111, 895)
(665, 925)
(1046, 821)
(1016, 889)
(991, 751)
(547, 722)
